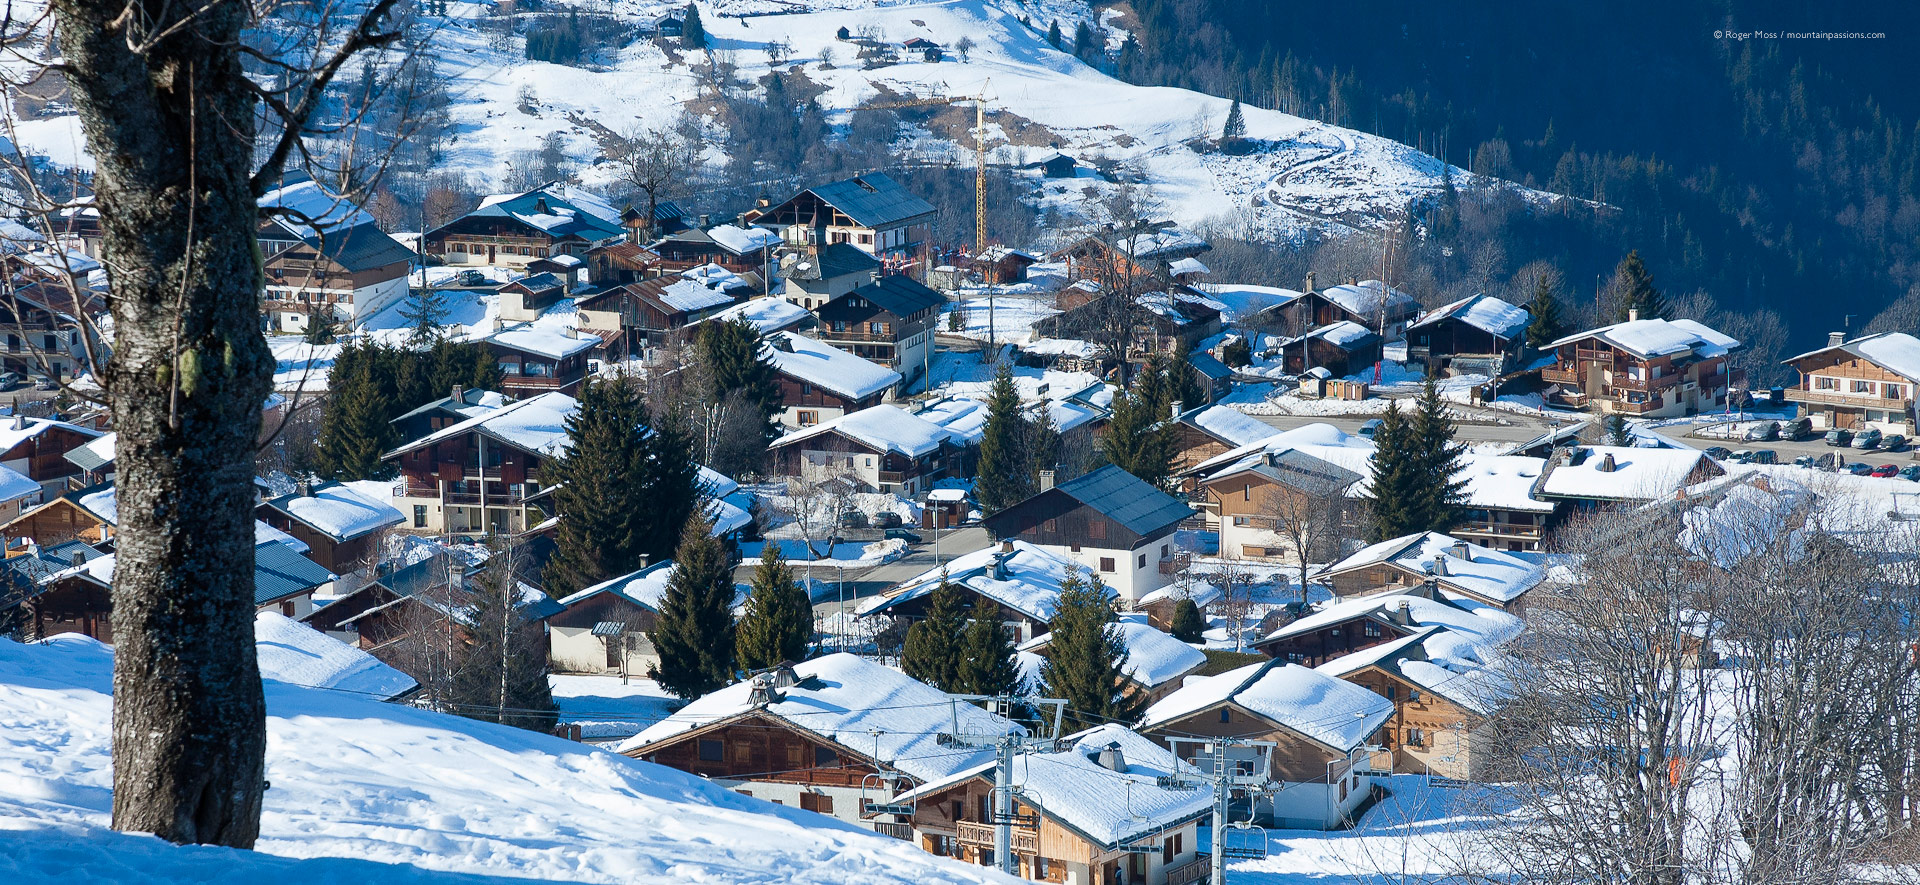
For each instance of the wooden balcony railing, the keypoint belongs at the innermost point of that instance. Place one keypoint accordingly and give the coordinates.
(1025, 840)
(1627, 382)
(1593, 356)
(1192, 871)
(1557, 375)
(1849, 400)
(897, 831)
(1500, 529)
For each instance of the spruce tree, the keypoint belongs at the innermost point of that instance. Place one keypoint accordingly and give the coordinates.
(1236, 125)
(1135, 439)
(1615, 427)
(1392, 505)
(600, 499)
(1443, 497)
(1053, 34)
(1544, 323)
(1154, 386)
(1187, 625)
(987, 655)
(694, 632)
(1043, 442)
(933, 647)
(735, 355)
(667, 486)
(425, 312)
(1087, 657)
(1415, 463)
(1084, 44)
(693, 34)
(356, 429)
(1004, 475)
(778, 624)
(1633, 283)
(1183, 380)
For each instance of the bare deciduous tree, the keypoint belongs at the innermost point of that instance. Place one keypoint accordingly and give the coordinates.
(656, 162)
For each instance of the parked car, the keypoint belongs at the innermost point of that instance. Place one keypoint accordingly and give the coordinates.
(1803, 461)
(903, 535)
(1894, 443)
(1885, 471)
(42, 382)
(886, 519)
(1762, 432)
(10, 380)
(1718, 453)
(1838, 437)
(1859, 469)
(470, 278)
(1741, 456)
(1368, 429)
(1763, 456)
(1910, 473)
(1797, 429)
(853, 519)
(1866, 439)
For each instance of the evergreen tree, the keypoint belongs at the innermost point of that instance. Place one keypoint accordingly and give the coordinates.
(693, 34)
(1087, 657)
(934, 643)
(1187, 624)
(322, 326)
(1155, 386)
(425, 312)
(1633, 284)
(502, 674)
(1004, 474)
(599, 498)
(1043, 443)
(987, 655)
(356, 429)
(1415, 463)
(736, 358)
(1236, 125)
(778, 624)
(1615, 427)
(1391, 503)
(1238, 354)
(1053, 34)
(1183, 380)
(1084, 44)
(1544, 324)
(694, 632)
(1135, 438)
(668, 487)
(1443, 496)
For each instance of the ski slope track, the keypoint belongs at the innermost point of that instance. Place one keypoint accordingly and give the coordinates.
(1301, 178)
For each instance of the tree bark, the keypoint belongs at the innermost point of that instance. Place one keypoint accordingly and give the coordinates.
(168, 118)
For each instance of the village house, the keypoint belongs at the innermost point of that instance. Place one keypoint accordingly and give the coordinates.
(431, 598)
(1488, 577)
(746, 251)
(1320, 726)
(1129, 259)
(834, 735)
(1502, 512)
(603, 628)
(1096, 809)
(1117, 526)
(1442, 704)
(619, 263)
(325, 255)
(1002, 265)
(1156, 662)
(73, 583)
(41, 332)
(1162, 322)
(540, 358)
(889, 321)
(1254, 491)
(483, 475)
(766, 315)
(1594, 476)
(1346, 626)
(85, 514)
(1021, 581)
(1481, 334)
(650, 313)
(819, 274)
(871, 212)
(1054, 165)
(883, 448)
(525, 299)
(1370, 304)
(1204, 432)
(1866, 383)
(339, 526)
(459, 405)
(37, 447)
(1342, 348)
(820, 382)
(17, 492)
(514, 230)
(1643, 368)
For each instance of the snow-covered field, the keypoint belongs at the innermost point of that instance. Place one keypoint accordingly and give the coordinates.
(605, 709)
(364, 791)
(847, 554)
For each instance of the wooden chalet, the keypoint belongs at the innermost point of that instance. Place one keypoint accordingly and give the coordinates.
(871, 212)
(42, 332)
(1645, 368)
(85, 514)
(883, 448)
(1346, 627)
(1481, 334)
(1342, 348)
(37, 447)
(1248, 493)
(426, 600)
(1868, 382)
(603, 628)
(889, 321)
(817, 274)
(1119, 527)
(1399, 565)
(1002, 265)
(340, 527)
(820, 382)
(1203, 432)
(746, 251)
(462, 403)
(1129, 259)
(73, 586)
(617, 264)
(1440, 714)
(1371, 304)
(516, 230)
(484, 474)
(1018, 581)
(537, 359)
(325, 255)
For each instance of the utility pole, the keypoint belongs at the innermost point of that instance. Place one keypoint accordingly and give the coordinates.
(1003, 808)
(1005, 745)
(1221, 792)
(1223, 781)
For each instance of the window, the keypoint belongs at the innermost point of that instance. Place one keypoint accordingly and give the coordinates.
(806, 389)
(807, 417)
(816, 802)
(1246, 492)
(876, 328)
(957, 809)
(1226, 715)
(1097, 529)
(1051, 525)
(710, 751)
(1239, 522)
(1413, 695)
(507, 368)
(1163, 551)
(866, 239)
(1167, 851)
(869, 461)
(1862, 386)
(1143, 561)
(1370, 630)
(1106, 563)
(1416, 737)
(419, 516)
(1039, 867)
(825, 757)
(1822, 382)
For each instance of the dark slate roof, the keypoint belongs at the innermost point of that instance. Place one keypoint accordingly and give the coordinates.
(836, 260)
(362, 247)
(50, 560)
(1127, 500)
(279, 572)
(1214, 369)
(583, 224)
(540, 282)
(421, 576)
(899, 295)
(873, 200)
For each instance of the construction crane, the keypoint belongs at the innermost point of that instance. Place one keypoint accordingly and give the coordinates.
(979, 149)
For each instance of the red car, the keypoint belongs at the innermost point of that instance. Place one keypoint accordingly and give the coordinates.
(1885, 471)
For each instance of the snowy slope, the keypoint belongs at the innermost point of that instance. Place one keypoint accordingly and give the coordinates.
(1307, 176)
(370, 792)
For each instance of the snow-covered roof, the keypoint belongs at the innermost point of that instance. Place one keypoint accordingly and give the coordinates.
(1502, 482)
(15, 485)
(296, 654)
(537, 424)
(886, 428)
(1170, 241)
(769, 315)
(1332, 712)
(1482, 625)
(964, 418)
(1897, 352)
(703, 287)
(1153, 657)
(312, 209)
(997, 254)
(1068, 414)
(1186, 266)
(1344, 333)
(1231, 426)
(1363, 298)
(1741, 520)
(866, 707)
(1637, 474)
(1435, 660)
(338, 512)
(741, 240)
(643, 588)
(1470, 568)
(1310, 438)
(827, 367)
(544, 339)
(1484, 312)
(11, 436)
(1646, 339)
(1028, 581)
(1108, 807)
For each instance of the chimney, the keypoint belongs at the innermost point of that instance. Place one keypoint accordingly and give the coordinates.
(762, 692)
(1006, 547)
(303, 488)
(540, 206)
(19, 421)
(1463, 550)
(1606, 463)
(1309, 281)
(1404, 614)
(762, 201)
(459, 394)
(1835, 339)
(1440, 565)
(1177, 409)
(643, 561)
(784, 677)
(499, 325)
(783, 343)
(1111, 759)
(573, 332)
(1633, 314)
(741, 220)
(706, 221)
(1046, 480)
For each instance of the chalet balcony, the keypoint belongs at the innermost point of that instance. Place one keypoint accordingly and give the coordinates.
(1584, 355)
(1557, 375)
(1647, 385)
(1196, 870)
(893, 476)
(541, 382)
(1640, 408)
(1846, 400)
(861, 336)
(897, 831)
(1501, 530)
(1026, 840)
(1173, 565)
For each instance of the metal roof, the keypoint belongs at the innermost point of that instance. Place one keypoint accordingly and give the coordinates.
(1214, 369)
(836, 260)
(1127, 499)
(582, 223)
(873, 200)
(899, 295)
(361, 247)
(279, 572)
